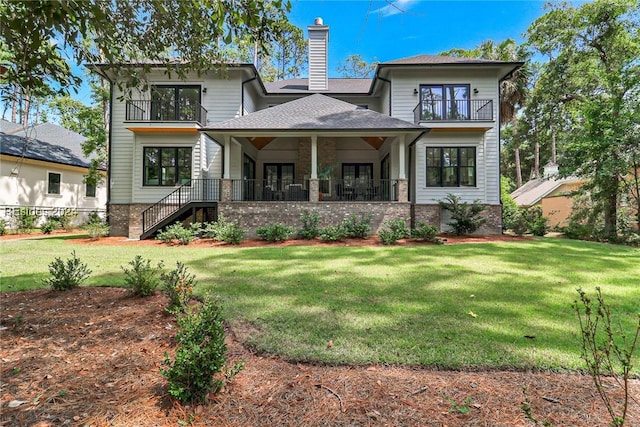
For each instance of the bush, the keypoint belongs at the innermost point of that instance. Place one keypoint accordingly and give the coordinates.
(142, 279)
(65, 220)
(25, 220)
(465, 217)
(94, 218)
(310, 225)
(67, 275)
(178, 285)
(3, 227)
(224, 230)
(393, 230)
(528, 220)
(275, 232)
(357, 227)
(425, 232)
(200, 355)
(178, 233)
(97, 230)
(332, 233)
(48, 226)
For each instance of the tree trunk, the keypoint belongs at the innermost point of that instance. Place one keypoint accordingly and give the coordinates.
(14, 104)
(25, 113)
(536, 159)
(611, 207)
(553, 144)
(516, 151)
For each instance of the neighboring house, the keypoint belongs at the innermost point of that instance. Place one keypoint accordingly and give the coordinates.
(552, 193)
(42, 168)
(225, 142)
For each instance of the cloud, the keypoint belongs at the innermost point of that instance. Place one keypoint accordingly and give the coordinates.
(394, 7)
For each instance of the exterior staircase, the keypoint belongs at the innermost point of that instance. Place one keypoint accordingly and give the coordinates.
(186, 198)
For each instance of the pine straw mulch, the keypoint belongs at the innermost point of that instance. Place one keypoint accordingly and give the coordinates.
(91, 356)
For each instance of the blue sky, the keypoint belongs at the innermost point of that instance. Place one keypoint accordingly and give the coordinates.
(387, 30)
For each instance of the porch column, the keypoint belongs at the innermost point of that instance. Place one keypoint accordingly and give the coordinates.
(227, 157)
(314, 156)
(401, 158)
(403, 184)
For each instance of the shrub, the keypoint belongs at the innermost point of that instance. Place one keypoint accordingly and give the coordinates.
(607, 352)
(25, 220)
(65, 221)
(275, 232)
(48, 226)
(224, 230)
(528, 220)
(357, 227)
(67, 275)
(94, 218)
(310, 225)
(178, 233)
(3, 227)
(97, 230)
(425, 232)
(178, 285)
(332, 233)
(142, 279)
(200, 355)
(466, 217)
(393, 230)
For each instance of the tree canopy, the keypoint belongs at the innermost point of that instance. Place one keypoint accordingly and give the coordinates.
(39, 35)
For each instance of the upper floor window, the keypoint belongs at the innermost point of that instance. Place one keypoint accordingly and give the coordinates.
(167, 166)
(444, 102)
(451, 167)
(53, 183)
(179, 103)
(89, 189)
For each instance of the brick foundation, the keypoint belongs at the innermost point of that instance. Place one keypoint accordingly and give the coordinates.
(432, 215)
(126, 220)
(251, 215)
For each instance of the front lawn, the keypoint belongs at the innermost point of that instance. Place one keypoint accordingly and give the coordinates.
(497, 305)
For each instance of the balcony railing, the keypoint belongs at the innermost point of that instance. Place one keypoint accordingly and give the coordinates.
(454, 110)
(269, 190)
(372, 190)
(332, 190)
(165, 111)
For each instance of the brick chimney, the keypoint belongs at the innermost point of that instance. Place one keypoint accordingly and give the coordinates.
(318, 56)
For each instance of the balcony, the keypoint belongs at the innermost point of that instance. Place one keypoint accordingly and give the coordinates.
(464, 110)
(165, 111)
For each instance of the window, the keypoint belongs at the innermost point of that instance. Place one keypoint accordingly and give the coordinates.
(444, 102)
(357, 173)
(167, 166)
(279, 175)
(89, 190)
(53, 184)
(451, 167)
(180, 103)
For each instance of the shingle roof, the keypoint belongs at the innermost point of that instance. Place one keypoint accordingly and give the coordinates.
(536, 189)
(46, 142)
(297, 86)
(7, 126)
(439, 60)
(315, 112)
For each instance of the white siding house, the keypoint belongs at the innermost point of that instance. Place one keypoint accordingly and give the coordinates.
(227, 142)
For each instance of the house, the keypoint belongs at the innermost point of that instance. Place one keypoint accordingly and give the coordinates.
(43, 168)
(225, 142)
(552, 193)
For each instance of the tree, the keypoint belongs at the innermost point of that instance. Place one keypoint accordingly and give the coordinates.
(38, 34)
(356, 67)
(594, 51)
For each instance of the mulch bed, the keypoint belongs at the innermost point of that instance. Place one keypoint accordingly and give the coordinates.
(91, 356)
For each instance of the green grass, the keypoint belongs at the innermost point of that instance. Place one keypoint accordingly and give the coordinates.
(399, 305)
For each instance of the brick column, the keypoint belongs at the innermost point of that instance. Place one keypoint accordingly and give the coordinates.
(314, 186)
(227, 190)
(402, 191)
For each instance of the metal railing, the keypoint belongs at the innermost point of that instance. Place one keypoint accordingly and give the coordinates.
(165, 111)
(269, 190)
(372, 190)
(453, 110)
(196, 190)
